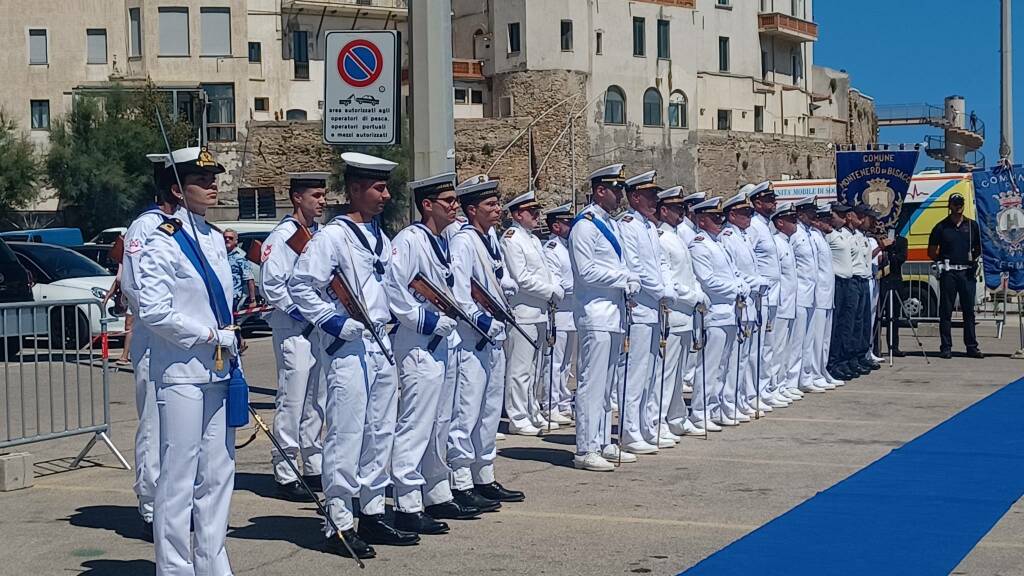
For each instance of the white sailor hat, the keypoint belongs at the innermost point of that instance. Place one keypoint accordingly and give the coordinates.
(194, 160)
(694, 198)
(304, 180)
(673, 195)
(763, 189)
(643, 181)
(746, 188)
(783, 210)
(610, 175)
(738, 200)
(524, 201)
(432, 186)
(563, 211)
(476, 187)
(824, 209)
(709, 206)
(367, 167)
(806, 202)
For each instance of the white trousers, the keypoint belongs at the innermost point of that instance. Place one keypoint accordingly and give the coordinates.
(780, 333)
(873, 292)
(147, 434)
(563, 356)
(678, 356)
(768, 348)
(197, 474)
(521, 375)
(826, 346)
(643, 346)
(416, 453)
(814, 368)
(362, 403)
(798, 340)
(479, 389)
(300, 400)
(709, 384)
(741, 378)
(599, 355)
(667, 385)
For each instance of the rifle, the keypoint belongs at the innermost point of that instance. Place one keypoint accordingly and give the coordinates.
(446, 304)
(497, 310)
(255, 252)
(116, 252)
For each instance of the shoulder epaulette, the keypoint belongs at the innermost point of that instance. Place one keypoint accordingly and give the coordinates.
(551, 244)
(589, 215)
(170, 226)
(627, 218)
(660, 231)
(510, 233)
(727, 232)
(698, 238)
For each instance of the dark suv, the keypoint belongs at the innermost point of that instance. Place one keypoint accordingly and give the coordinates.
(15, 286)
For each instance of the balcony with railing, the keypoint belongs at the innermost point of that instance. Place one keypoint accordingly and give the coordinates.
(466, 69)
(369, 8)
(786, 26)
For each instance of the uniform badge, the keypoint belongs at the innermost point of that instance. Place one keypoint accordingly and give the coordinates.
(510, 233)
(205, 159)
(627, 218)
(727, 232)
(589, 216)
(266, 253)
(698, 238)
(660, 231)
(135, 246)
(551, 244)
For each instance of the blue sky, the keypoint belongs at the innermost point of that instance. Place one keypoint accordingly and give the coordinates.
(914, 51)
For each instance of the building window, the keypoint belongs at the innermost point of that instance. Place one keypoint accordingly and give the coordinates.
(261, 104)
(461, 96)
(639, 38)
(758, 118)
(40, 114)
(300, 54)
(513, 38)
(677, 113)
(173, 31)
(220, 112)
(723, 3)
(723, 54)
(134, 32)
(256, 204)
(614, 106)
(599, 43)
(566, 35)
(255, 52)
(796, 64)
(96, 46)
(215, 31)
(663, 39)
(295, 114)
(797, 8)
(652, 107)
(476, 97)
(764, 64)
(37, 47)
(725, 119)
(764, 6)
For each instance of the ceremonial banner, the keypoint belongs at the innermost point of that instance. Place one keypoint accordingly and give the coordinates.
(997, 198)
(878, 178)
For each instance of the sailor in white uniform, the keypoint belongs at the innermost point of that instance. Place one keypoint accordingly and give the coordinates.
(538, 291)
(480, 384)
(762, 237)
(147, 434)
(362, 385)
(805, 255)
(189, 331)
(301, 392)
(720, 281)
(602, 284)
(558, 408)
(686, 230)
(785, 223)
(824, 297)
(677, 269)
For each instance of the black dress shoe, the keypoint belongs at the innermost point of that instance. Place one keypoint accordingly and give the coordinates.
(495, 491)
(374, 530)
(293, 492)
(471, 498)
(947, 354)
(975, 353)
(419, 523)
(870, 365)
(147, 531)
(359, 546)
(896, 352)
(315, 482)
(453, 510)
(841, 374)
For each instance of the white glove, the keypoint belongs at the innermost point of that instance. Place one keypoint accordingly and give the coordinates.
(444, 326)
(351, 330)
(670, 295)
(632, 288)
(228, 340)
(558, 295)
(496, 329)
(509, 287)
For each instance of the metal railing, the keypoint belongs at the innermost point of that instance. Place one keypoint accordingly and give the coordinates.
(55, 383)
(921, 299)
(935, 147)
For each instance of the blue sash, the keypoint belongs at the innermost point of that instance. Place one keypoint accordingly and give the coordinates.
(602, 228)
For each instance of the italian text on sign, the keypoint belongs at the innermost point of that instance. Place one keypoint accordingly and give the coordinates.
(362, 93)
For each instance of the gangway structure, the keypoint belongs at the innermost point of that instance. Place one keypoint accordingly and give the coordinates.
(963, 132)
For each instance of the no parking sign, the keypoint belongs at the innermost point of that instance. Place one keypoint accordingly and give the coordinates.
(362, 96)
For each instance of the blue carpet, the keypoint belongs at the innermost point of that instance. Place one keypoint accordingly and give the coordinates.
(919, 510)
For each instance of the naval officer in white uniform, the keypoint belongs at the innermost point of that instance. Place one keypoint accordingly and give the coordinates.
(762, 237)
(558, 408)
(785, 223)
(824, 297)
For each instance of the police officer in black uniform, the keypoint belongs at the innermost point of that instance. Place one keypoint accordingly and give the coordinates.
(893, 288)
(955, 245)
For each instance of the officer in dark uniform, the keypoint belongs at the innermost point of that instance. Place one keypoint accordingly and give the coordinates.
(955, 245)
(893, 288)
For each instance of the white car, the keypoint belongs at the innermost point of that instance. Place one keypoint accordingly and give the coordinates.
(62, 274)
(108, 236)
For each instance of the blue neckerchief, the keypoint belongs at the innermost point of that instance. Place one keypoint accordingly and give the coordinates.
(378, 248)
(601, 227)
(214, 289)
(313, 228)
(440, 247)
(493, 251)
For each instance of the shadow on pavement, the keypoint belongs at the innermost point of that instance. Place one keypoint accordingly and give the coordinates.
(259, 484)
(549, 455)
(561, 439)
(302, 531)
(118, 568)
(123, 520)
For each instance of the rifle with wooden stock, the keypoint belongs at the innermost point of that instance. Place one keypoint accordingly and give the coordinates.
(446, 304)
(497, 310)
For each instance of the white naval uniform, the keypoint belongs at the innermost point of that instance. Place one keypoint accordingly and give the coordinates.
(537, 288)
(687, 230)
(739, 246)
(197, 448)
(677, 270)
(419, 465)
(600, 278)
(362, 388)
(147, 435)
(762, 237)
(786, 312)
(556, 255)
(800, 340)
(301, 390)
(719, 280)
(480, 382)
(642, 252)
(824, 302)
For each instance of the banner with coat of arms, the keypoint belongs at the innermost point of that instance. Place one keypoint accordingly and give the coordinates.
(878, 178)
(997, 198)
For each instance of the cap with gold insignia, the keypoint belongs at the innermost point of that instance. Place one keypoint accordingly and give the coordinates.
(195, 160)
(738, 200)
(709, 206)
(806, 203)
(763, 189)
(673, 195)
(476, 188)
(824, 210)
(432, 186)
(694, 198)
(304, 180)
(524, 201)
(561, 212)
(746, 188)
(643, 181)
(366, 167)
(783, 210)
(840, 208)
(611, 176)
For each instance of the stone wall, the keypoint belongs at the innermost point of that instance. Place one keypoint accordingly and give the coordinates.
(863, 125)
(727, 160)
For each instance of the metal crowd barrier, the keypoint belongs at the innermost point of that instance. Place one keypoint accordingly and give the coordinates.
(921, 298)
(55, 383)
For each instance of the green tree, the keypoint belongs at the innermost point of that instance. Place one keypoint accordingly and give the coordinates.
(97, 159)
(19, 168)
(396, 214)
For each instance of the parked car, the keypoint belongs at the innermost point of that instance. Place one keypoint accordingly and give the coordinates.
(108, 236)
(59, 236)
(63, 274)
(15, 287)
(98, 253)
(250, 231)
